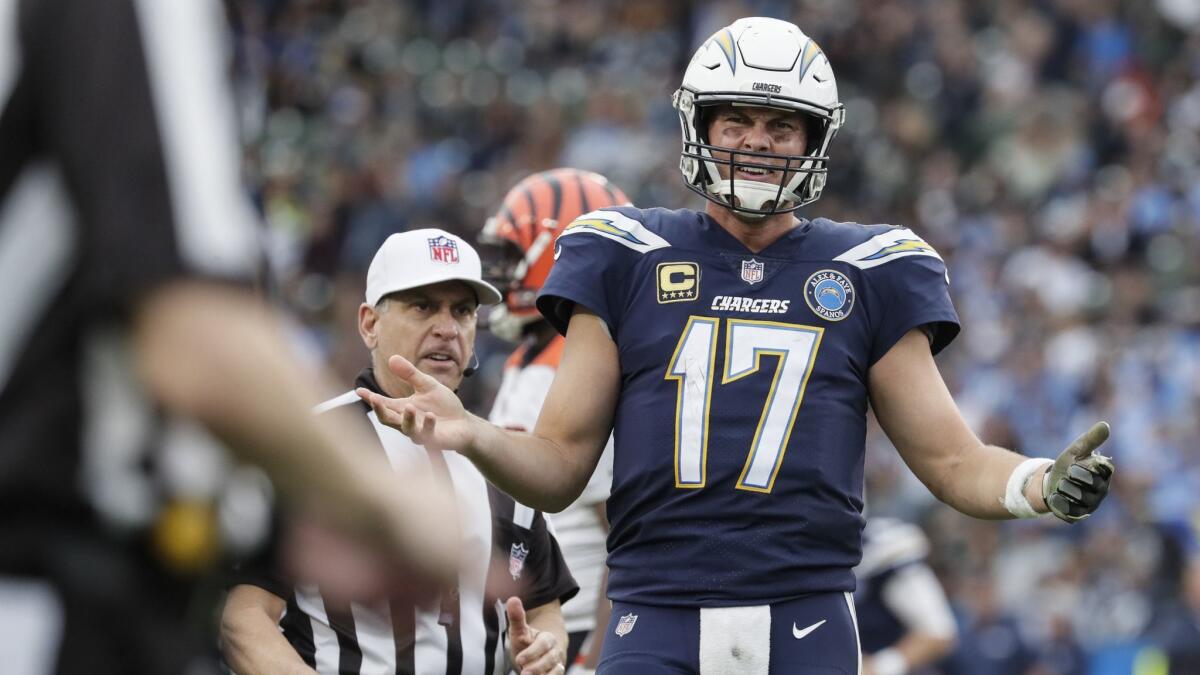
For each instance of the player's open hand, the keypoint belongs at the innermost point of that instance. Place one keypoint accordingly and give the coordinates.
(533, 651)
(432, 416)
(1079, 479)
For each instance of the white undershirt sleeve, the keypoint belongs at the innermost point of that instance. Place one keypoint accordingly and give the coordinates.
(916, 597)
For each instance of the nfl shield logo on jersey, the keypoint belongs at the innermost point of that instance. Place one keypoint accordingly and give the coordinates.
(516, 560)
(752, 271)
(443, 250)
(625, 625)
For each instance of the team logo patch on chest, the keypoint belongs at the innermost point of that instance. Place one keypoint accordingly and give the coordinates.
(752, 271)
(443, 250)
(678, 281)
(516, 560)
(829, 294)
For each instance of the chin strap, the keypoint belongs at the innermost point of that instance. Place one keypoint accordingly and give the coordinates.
(752, 195)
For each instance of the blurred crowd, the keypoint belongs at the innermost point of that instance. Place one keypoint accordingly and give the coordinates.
(1050, 151)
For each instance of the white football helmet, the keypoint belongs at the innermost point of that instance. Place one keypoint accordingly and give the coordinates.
(760, 62)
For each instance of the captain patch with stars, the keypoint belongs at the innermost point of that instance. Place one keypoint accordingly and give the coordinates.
(829, 294)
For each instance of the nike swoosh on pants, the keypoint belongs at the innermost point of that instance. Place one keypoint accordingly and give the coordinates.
(799, 633)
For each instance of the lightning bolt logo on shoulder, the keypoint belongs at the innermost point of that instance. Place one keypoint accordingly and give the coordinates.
(615, 226)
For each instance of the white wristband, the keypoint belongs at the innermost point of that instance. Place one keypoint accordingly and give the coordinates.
(889, 662)
(1014, 493)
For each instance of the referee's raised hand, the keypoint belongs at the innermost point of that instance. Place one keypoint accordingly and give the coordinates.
(432, 415)
(533, 651)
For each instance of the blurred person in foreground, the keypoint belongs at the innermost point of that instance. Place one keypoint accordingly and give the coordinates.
(423, 291)
(132, 349)
(903, 614)
(733, 352)
(522, 236)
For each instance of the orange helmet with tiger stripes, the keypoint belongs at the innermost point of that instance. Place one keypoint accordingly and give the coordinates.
(533, 214)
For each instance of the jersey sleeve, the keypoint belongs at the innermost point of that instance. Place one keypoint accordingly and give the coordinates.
(592, 257)
(548, 579)
(915, 596)
(909, 288)
(140, 119)
(262, 573)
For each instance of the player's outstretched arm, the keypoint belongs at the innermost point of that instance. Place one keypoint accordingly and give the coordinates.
(918, 414)
(547, 469)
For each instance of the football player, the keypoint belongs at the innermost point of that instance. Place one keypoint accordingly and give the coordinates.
(903, 614)
(521, 236)
(733, 352)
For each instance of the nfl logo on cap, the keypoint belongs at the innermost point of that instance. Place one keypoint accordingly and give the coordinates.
(752, 271)
(443, 250)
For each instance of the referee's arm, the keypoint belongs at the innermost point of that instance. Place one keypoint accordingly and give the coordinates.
(250, 637)
(549, 618)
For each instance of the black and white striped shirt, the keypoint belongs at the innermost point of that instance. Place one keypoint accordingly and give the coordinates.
(464, 633)
(119, 172)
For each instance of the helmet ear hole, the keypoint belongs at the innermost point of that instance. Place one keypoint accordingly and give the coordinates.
(689, 167)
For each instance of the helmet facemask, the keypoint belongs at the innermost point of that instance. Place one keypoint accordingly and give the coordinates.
(506, 266)
(801, 177)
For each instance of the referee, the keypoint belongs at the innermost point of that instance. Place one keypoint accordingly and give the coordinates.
(130, 345)
(423, 288)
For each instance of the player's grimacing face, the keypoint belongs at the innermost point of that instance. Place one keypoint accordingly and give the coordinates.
(431, 326)
(756, 129)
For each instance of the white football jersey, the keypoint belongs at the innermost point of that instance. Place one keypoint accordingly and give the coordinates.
(580, 532)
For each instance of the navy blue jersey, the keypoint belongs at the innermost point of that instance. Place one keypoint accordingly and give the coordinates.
(740, 427)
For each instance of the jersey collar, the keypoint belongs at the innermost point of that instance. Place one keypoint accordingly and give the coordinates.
(366, 380)
(783, 247)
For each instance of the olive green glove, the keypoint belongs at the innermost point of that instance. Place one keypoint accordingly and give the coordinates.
(1078, 481)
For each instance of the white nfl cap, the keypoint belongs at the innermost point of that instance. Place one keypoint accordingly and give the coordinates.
(423, 257)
